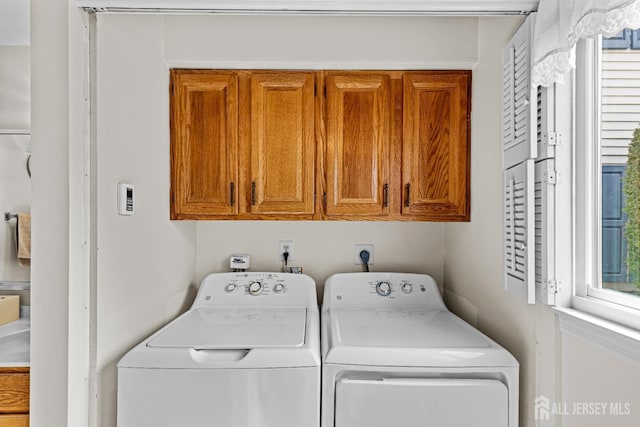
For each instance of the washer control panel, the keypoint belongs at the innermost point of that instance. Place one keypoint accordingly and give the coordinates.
(407, 288)
(382, 290)
(388, 288)
(256, 289)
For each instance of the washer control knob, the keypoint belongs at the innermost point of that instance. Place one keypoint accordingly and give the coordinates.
(231, 287)
(383, 289)
(278, 288)
(407, 288)
(255, 288)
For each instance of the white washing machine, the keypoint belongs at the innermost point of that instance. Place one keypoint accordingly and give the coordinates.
(246, 354)
(393, 355)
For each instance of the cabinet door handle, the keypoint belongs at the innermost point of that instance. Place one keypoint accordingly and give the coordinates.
(407, 194)
(385, 195)
(253, 193)
(232, 194)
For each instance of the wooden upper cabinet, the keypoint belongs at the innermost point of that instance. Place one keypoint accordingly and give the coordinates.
(358, 122)
(435, 150)
(204, 144)
(282, 143)
(261, 144)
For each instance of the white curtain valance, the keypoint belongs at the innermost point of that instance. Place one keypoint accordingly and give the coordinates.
(561, 23)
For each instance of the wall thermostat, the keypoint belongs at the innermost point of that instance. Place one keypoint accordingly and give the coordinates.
(125, 199)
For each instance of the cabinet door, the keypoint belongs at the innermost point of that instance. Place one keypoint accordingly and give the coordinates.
(14, 420)
(435, 154)
(282, 143)
(358, 126)
(14, 396)
(204, 119)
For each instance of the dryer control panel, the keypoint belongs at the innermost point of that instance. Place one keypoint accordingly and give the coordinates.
(382, 290)
(256, 289)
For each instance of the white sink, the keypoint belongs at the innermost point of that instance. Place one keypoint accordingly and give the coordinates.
(14, 343)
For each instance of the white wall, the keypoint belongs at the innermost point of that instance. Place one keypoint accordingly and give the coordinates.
(15, 185)
(594, 374)
(147, 263)
(473, 285)
(14, 23)
(15, 87)
(322, 248)
(50, 212)
(15, 197)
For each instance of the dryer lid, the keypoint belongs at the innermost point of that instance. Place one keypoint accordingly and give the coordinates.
(235, 328)
(403, 328)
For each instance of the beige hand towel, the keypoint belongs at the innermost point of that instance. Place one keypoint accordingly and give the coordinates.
(23, 239)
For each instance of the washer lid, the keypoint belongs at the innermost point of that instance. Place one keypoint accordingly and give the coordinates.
(403, 328)
(235, 328)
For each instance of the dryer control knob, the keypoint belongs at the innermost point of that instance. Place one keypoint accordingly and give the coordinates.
(255, 288)
(279, 288)
(407, 288)
(231, 287)
(383, 289)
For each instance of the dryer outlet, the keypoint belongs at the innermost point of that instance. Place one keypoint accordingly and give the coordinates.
(362, 247)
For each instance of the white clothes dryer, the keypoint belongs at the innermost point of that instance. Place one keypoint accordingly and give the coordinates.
(394, 355)
(246, 354)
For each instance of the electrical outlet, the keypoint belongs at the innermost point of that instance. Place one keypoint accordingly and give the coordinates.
(358, 249)
(285, 246)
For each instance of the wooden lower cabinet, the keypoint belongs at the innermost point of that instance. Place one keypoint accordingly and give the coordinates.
(14, 397)
(21, 420)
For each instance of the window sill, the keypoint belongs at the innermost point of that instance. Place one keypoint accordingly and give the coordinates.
(604, 333)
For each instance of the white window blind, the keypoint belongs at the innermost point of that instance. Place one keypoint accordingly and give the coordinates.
(519, 142)
(550, 134)
(545, 184)
(519, 255)
(518, 102)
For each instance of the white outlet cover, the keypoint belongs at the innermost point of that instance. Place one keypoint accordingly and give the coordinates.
(281, 249)
(361, 247)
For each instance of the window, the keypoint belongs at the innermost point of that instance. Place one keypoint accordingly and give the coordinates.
(619, 70)
(607, 112)
(564, 181)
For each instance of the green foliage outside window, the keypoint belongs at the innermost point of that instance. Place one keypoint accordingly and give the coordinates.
(631, 188)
